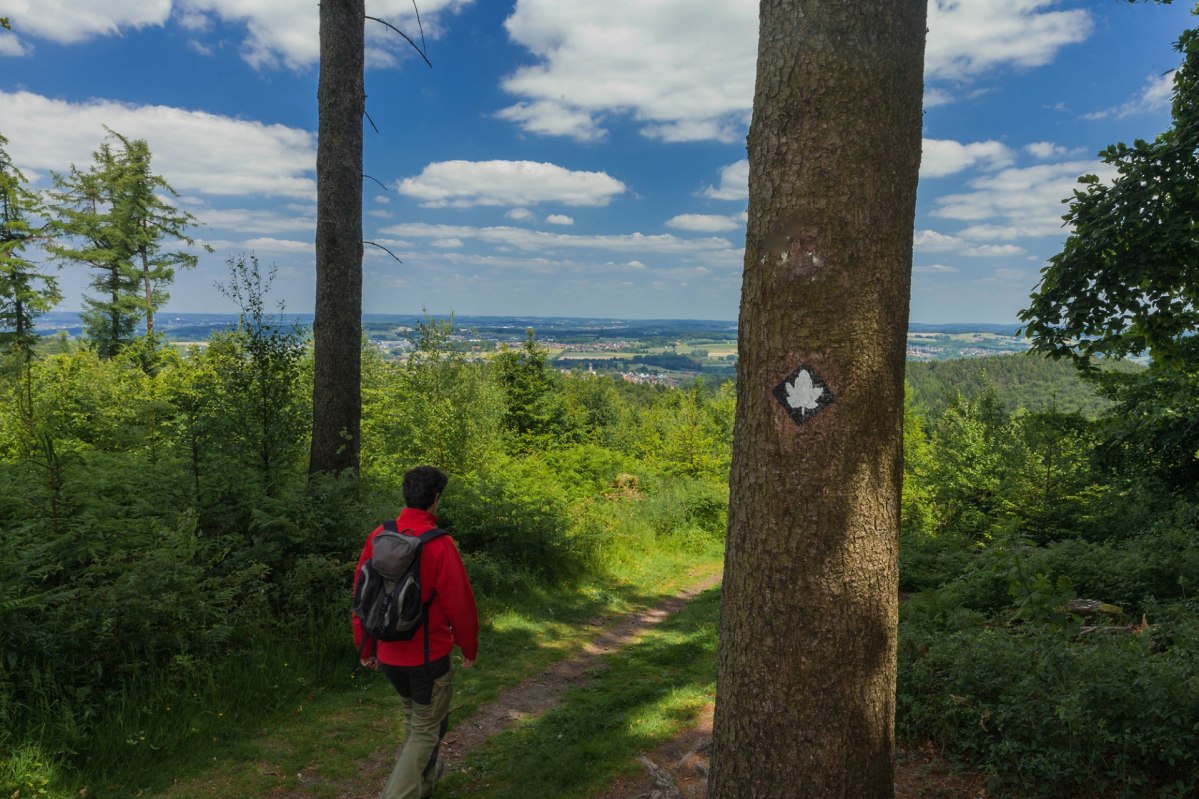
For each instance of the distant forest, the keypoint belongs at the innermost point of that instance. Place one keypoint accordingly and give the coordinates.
(1020, 380)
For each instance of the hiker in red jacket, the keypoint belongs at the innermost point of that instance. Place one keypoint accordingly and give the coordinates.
(424, 679)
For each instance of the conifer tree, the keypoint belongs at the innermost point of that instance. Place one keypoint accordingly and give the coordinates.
(25, 293)
(116, 221)
(805, 685)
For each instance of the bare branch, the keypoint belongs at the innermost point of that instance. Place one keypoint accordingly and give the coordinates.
(406, 38)
(421, 28)
(367, 114)
(368, 177)
(384, 249)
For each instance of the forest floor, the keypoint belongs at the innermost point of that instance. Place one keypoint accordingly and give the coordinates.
(533, 697)
(675, 769)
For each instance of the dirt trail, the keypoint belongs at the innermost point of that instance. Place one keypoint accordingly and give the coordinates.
(678, 769)
(535, 695)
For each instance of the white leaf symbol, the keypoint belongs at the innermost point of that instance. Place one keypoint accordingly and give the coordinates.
(802, 394)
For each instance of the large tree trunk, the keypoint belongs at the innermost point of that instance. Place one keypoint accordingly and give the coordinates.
(805, 700)
(337, 329)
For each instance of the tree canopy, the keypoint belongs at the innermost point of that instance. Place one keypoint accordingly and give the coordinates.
(113, 218)
(25, 293)
(1127, 278)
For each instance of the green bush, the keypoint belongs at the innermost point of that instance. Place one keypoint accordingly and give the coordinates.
(1050, 713)
(520, 516)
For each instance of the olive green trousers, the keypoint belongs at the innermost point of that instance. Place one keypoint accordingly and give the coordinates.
(416, 769)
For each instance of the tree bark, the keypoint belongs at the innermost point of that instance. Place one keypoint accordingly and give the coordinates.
(337, 328)
(805, 702)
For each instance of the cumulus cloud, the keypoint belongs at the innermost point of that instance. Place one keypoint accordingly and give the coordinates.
(1155, 96)
(542, 241)
(684, 69)
(559, 219)
(1046, 150)
(268, 244)
(463, 184)
(994, 250)
(934, 269)
(282, 32)
(70, 21)
(253, 158)
(520, 214)
(932, 241)
(551, 118)
(1015, 203)
(944, 157)
(705, 223)
(11, 46)
(734, 182)
(246, 220)
(277, 32)
(966, 39)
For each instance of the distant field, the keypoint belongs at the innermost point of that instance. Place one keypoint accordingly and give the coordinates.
(582, 355)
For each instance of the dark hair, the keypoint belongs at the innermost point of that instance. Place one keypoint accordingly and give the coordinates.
(422, 485)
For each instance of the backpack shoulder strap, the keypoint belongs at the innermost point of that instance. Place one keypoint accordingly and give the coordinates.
(431, 533)
(390, 526)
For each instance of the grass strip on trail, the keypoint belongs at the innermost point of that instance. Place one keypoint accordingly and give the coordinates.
(333, 742)
(635, 698)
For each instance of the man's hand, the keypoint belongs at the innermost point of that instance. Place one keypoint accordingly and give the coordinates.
(466, 664)
(369, 663)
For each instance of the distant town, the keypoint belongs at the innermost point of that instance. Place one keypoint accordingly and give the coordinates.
(642, 351)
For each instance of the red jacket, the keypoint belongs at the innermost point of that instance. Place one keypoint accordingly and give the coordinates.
(453, 617)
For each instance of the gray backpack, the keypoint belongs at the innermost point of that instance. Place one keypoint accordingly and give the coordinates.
(387, 597)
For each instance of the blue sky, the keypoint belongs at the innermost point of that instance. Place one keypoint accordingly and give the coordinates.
(569, 157)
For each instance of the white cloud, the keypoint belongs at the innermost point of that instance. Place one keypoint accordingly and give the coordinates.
(994, 250)
(268, 244)
(936, 97)
(463, 184)
(1015, 203)
(683, 69)
(1046, 150)
(542, 241)
(559, 219)
(944, 157)
(278, 32)
(705, 223)
(246, 220)
(253, 158)
(11, 46)
(932, 241)
(283, 32)
(934, 268)
(734, 182)
(520, 214)
(550, 118)
(447, 244)
(970, 38)
(1155, 96)
(70, 21)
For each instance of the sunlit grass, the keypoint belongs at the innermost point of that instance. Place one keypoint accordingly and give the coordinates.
(313, 750)
(648, 693)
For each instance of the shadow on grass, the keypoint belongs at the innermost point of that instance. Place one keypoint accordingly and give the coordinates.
(648, 693)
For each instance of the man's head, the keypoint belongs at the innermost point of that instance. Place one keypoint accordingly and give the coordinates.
(422, 486)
